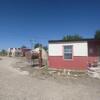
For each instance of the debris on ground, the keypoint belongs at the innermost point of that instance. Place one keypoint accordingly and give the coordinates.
(45, 73)
(94, 72)
(0, 58)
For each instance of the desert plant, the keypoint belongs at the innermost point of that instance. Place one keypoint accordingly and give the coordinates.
(72, 37)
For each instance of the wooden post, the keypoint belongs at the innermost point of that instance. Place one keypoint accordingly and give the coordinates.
(40, 57)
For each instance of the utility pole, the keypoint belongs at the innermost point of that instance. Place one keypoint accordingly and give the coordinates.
(31, 42)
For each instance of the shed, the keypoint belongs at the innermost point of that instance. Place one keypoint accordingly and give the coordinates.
(73, 55)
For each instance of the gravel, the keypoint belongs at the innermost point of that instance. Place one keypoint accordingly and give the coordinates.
(17, 86)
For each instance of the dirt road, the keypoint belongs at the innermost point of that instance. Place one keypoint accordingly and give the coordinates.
(17, 86)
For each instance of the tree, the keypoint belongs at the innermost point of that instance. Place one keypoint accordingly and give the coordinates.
(97, 35)
(3, 52)
(45, 48)
(37, 45)
(23, 46)
(72, 37)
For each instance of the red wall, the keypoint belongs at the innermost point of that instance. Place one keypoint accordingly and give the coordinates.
(93, 56)
(94, 45)
(77, 63)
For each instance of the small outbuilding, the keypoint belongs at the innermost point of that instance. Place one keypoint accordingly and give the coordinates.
(73, 55)
(38, 56)
(44, 53)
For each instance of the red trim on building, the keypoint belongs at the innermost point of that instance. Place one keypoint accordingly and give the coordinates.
(78, 63)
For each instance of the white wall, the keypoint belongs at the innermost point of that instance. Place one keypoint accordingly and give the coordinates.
(79, 48)
(14, 50)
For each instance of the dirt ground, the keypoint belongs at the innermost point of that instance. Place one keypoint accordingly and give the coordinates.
(20, 81)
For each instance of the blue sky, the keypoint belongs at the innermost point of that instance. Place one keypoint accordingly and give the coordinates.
(43, 20)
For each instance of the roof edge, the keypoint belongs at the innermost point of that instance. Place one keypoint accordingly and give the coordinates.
(57, 41)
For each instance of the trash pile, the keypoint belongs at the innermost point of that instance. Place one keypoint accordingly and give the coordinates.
(94, 71)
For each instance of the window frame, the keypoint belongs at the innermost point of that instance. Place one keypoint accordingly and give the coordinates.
(67, 53)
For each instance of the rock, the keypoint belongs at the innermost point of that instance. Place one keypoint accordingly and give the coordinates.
(0, 58)
(68, 73)
(58, 73)
(75, 75)
(51, 72)
(25, 73)
(64, 72)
